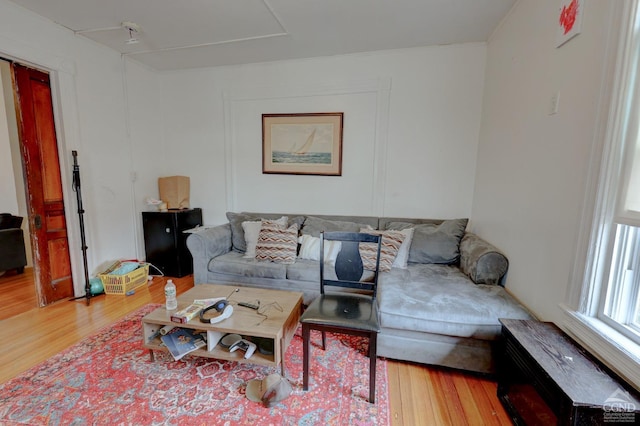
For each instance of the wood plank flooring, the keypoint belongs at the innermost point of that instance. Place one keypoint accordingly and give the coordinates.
(418, 394)
(17, 293)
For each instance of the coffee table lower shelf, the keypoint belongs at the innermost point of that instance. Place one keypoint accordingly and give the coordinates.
(217, 353)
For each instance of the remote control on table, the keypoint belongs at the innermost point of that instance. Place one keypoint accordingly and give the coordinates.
(249, 305)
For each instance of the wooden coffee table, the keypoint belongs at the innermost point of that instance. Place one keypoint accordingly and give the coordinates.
(281, 312)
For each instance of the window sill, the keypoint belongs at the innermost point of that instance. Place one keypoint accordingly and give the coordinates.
(617, 351)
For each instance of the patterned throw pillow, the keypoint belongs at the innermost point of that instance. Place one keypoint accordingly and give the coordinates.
(391, 242)
(276, 243)
(252, 230)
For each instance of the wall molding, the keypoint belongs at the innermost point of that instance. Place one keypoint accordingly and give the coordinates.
(381, 87)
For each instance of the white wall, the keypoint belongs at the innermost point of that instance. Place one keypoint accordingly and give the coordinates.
(533, 167)
(411, 125)
(90, 111)
(145, 129)
(412, 119)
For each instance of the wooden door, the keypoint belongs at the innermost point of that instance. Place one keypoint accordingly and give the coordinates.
(41, 167)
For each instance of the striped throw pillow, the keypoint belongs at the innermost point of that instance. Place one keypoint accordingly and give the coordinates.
(276, 243)
(391, 242)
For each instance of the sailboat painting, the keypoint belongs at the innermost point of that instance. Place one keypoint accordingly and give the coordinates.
(312, 150)
(302, 143)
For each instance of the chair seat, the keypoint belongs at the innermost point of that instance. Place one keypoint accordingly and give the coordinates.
(355, 312)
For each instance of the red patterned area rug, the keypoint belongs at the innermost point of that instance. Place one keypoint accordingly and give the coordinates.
(109, 378)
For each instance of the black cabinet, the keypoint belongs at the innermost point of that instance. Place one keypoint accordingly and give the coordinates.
(165, 242)
(546, 378)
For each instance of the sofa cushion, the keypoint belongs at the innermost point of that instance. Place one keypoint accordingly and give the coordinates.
(433, 243)
(314, 225)
(304, 270)
(276, 243)
(383, 222)
(232, 263)
(441, 299)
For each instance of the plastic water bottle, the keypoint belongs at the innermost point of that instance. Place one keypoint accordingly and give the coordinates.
(170, 295)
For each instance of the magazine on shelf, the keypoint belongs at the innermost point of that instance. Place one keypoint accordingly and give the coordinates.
(181, 341)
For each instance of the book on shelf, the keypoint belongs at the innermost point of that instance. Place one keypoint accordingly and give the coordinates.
(181, 341)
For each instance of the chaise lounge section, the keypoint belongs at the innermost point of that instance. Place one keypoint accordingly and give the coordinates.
(439, 303)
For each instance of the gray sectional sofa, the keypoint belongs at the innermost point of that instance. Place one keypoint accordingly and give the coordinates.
(441, 309)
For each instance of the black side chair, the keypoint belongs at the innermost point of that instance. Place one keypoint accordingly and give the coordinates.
(352, 312)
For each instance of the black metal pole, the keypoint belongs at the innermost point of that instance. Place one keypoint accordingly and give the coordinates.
(76, 188)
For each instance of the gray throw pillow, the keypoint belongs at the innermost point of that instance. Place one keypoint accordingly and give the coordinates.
(297, 220)
(238, 242)
(314, 225)
(434, 243)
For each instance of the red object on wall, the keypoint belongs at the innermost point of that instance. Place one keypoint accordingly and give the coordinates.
(568, 16)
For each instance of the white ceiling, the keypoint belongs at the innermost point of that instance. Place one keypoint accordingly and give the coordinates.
(178, 34)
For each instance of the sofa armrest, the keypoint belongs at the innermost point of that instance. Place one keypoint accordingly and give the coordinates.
(205, 245)
(481, 261)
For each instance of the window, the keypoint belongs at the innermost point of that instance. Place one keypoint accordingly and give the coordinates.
(605, 303)
(620, 305)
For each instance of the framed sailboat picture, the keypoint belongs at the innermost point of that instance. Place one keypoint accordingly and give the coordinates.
(302, 144)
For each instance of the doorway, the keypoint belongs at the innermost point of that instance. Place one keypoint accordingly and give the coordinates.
(37, 171)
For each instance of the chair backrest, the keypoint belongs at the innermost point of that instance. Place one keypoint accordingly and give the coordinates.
(358, 253)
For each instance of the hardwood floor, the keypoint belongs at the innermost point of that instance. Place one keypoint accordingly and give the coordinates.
(17, 293)
(418, 394)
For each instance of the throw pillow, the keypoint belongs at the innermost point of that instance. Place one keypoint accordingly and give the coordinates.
(314, 225)
(252, 230)
(391, 242)
(310, 249)
(434, 243)
(276, 243)
(237, 233)
(403, 253)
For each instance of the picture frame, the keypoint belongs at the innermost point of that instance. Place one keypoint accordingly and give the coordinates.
(569, 20)
(302, 143)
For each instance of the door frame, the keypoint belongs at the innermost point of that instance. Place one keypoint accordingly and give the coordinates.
(62, 75)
